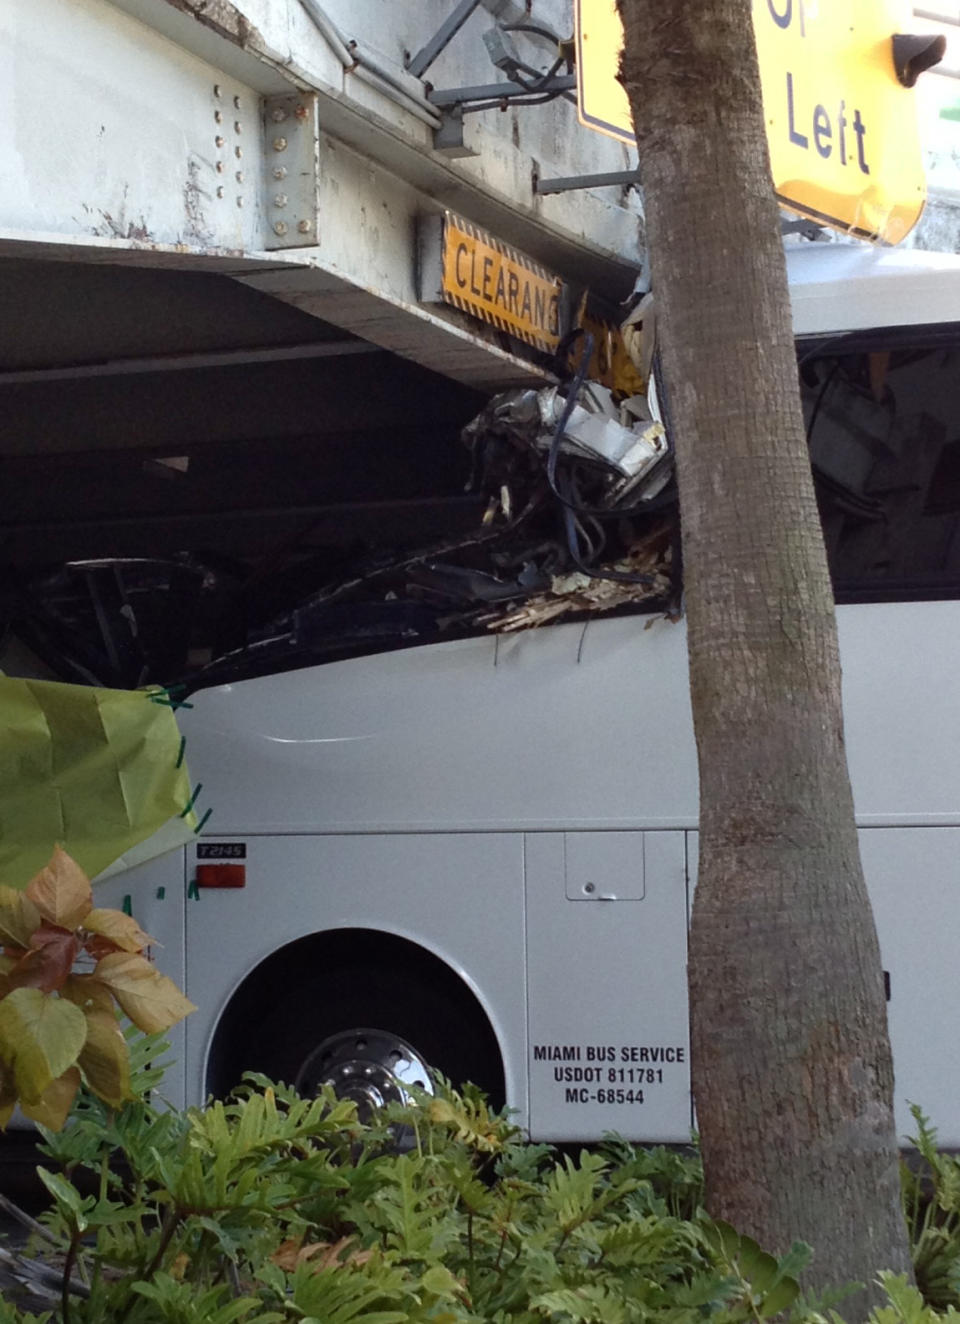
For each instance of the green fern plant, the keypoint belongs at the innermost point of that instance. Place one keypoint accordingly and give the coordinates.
(931, 1202)
(907, 1304)
(273, 1209)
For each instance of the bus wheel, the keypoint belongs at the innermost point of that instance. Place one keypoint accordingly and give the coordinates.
(371, 1012)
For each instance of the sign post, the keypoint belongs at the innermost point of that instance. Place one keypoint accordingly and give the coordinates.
(841, 127)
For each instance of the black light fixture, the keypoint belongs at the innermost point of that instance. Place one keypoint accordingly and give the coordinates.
(912, 55)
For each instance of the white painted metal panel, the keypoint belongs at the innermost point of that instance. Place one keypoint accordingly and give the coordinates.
(556, 728)
(603, 866)
(901, 701)
(363, 110)
(608, 999)
(913, 876)
(552, 728)
(111, 130)
(459, 896)
(107, 125)
(836, 288)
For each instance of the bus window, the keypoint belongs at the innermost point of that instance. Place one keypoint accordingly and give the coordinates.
(883, 428)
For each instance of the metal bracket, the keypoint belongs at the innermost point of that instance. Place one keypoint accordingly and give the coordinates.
(802, 226)
(567, 183)
(456, 102)
(290, 171)
(459, 101)
(419, 64)
(449, 137)
(462, 96)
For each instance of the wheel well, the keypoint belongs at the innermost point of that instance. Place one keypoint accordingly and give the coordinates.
(339, 978)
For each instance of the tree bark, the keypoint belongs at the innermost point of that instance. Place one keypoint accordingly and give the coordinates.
(792, 1073)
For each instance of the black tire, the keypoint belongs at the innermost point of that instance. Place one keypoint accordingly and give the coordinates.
(328, 983)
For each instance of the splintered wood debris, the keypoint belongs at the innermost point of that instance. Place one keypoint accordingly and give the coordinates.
(648, 560)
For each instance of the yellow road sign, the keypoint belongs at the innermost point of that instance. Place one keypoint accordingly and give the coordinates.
(484, 277)
(601, 101)
(842, 130)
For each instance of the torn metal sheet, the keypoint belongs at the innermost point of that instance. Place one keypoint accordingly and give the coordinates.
(622, 447)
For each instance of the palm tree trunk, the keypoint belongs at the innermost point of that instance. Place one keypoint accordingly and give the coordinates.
(793, 1077)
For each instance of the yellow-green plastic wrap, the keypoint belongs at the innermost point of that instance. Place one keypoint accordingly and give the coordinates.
(99, 771)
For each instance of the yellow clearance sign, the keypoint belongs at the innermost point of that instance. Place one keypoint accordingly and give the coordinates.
(843, 133)
(484, 277)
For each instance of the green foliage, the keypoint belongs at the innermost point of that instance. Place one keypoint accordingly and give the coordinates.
(671, 1179)
(931, 1201)
(9, 1314)
(907, 1305)
(273, 1209)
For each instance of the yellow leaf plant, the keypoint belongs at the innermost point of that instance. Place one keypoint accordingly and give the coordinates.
(67, 973)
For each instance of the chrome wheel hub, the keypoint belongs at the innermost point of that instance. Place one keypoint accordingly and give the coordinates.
(371, 1067)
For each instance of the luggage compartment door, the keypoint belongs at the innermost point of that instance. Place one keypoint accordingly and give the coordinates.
(607, 985)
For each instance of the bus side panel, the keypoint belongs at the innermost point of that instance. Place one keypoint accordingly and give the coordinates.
(458, 895)
(607, 987)
(901, 711)
(914, 879)
(575, 725)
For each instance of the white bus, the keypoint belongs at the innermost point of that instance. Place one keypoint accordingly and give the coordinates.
(478, 855)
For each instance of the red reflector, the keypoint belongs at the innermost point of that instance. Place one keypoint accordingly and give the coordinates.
(221, 875)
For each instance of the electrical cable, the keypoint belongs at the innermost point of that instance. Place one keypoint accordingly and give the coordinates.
(598, 512)
(505, 103)
(594, 546)
(353, 60)
(536, 29)
(540, 80)
(571, 511)
(618, 576)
